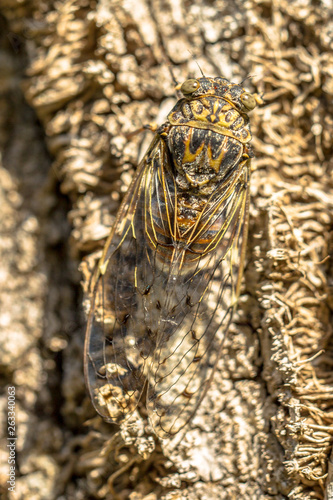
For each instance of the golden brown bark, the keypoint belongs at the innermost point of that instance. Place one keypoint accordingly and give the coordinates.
(92, 72)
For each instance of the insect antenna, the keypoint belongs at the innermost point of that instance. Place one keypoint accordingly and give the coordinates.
(248, 77)
(172, 75)
(202, 73)
(196, 62)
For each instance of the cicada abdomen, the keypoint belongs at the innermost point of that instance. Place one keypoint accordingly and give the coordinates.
(167, 283)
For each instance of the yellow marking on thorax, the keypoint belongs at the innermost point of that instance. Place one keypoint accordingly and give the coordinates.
(213, 163)
(188, 156)
(205, 114)
(216, 107)
(209, 115)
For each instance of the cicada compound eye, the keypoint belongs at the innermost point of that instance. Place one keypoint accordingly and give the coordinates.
(190, 86)
(248, 101)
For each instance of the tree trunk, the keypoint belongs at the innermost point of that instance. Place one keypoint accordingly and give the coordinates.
(76, 77)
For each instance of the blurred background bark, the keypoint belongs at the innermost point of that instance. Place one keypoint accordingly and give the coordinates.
(76, 76)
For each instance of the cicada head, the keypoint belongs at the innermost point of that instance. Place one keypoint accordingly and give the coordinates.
(220, 87)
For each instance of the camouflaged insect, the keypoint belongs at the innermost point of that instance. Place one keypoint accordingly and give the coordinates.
(166, 286)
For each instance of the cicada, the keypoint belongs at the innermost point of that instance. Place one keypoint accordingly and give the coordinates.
(166, 286)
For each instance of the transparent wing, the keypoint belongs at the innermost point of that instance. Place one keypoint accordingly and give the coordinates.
(118, 341)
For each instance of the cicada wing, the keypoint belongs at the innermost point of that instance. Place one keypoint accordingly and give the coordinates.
(160, 311)
(119, 341)
(200, 293)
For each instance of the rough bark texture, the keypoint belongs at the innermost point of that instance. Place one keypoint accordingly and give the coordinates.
(76, 76)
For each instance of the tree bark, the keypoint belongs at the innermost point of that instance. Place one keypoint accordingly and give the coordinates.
(77, 76)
